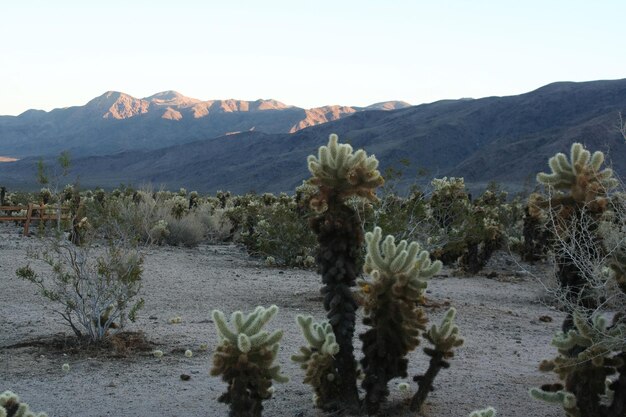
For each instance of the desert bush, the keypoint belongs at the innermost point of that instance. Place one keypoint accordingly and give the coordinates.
(11, 406)
(589, 243)
(93, 293)
(468, 231)
(187, 231)
(283, 234)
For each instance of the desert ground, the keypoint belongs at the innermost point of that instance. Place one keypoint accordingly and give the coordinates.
(498, 315)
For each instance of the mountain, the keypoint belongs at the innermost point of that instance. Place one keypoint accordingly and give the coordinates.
(507, 139)
(115, 122)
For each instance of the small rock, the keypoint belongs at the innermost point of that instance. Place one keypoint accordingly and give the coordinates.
(153, 318)
(185, 377)
(545, 319)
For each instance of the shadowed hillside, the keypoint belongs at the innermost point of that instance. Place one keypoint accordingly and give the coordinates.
(507, 139)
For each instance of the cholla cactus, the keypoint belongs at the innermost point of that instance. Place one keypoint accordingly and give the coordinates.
(10, 406)
(590, 349)
(245, 360)
(317, 359)
(583, 206)
(581, 175)
(390, 298)
(338, 174)
(487, 412)
(444, 339)
(596, 343)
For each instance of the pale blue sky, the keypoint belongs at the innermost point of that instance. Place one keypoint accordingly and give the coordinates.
(306, 53)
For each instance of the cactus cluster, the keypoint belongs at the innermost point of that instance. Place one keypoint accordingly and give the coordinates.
(10, 406)
(245, 359)
(317, 359)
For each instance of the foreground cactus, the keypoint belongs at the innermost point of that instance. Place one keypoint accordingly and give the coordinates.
(245, 360)
(10, 406)
(317, 359)
(592, 351)
(338, 173)
(390, 298)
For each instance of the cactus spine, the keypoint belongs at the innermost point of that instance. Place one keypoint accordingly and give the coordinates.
(245, 360)
(339, 173)
(10, 406)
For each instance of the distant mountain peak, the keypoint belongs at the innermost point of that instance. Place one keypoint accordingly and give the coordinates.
(166, 95)
(117, 105)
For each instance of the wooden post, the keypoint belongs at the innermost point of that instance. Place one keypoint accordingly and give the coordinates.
(29, 213)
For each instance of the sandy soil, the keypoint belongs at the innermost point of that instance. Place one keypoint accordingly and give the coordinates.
(498, 316)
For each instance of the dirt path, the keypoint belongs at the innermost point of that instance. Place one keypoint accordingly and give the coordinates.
(499, 318)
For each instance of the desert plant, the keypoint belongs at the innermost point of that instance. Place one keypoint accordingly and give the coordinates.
(589, 234)
(338, 173)
(96, 293)
(10, 406)
(317, 360)
(390, 298)
(444, 339)
(245, 360)
(283, 233)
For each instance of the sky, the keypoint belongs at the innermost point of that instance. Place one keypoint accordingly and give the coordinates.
(305, 53)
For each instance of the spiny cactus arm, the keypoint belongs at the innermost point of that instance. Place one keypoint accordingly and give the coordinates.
(444, 338)
(487, 412)
(243, 343)
(565, 173)
(310, 333)
(264, 316)
(566, 341)
(222, 327)
(566, 399)
(250, 318)
(274, 372)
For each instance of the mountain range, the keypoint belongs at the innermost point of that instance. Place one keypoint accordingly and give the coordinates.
(506, 139)
(115, 122)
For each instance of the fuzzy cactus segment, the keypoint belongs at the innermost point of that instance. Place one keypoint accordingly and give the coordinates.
(245, 359)
(10, 406)
(390, 298)
(444, 339)
(340, 171)
(317, 359)
(566, 399)
(487, 412)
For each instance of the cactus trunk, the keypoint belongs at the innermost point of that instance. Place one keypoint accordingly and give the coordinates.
(340, 238)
